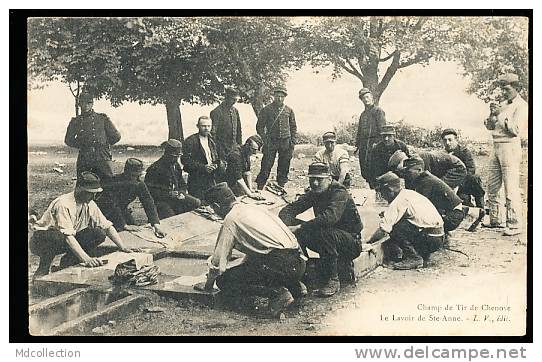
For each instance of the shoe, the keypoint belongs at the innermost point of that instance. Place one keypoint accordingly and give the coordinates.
(408, 264)
(298, 290)
(331, 287)
(511, 232)
(347, 275)
(474, 225)
(492, 226)
(280, 301)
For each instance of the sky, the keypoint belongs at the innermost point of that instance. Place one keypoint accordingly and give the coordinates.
(422, 96)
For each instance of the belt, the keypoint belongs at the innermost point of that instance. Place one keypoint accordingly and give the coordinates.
(434, 231)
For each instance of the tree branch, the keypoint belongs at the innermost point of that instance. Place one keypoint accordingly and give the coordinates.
(388, 57)
(411, 61)
(390, 72)
(359, 73)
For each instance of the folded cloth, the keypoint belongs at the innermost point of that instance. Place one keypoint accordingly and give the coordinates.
(128, 274)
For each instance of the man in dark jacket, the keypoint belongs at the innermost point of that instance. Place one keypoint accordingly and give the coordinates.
(166, 183)
(92, 133)
(202, 159)
(278, 129)
(448, 168)
(447, 203)
(334, 232)
(472, 186)
(382, 152)
(369, 127)
(238, 175)
(226, 129)
(120, 191)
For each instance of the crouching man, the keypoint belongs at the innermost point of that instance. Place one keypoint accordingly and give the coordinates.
(73, 224)
(334, 232)
(273, 265)
(414, 225)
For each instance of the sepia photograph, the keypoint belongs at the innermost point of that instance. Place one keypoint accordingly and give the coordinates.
(247, 175)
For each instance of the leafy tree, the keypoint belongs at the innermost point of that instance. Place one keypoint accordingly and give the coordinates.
(492, 46)
(363, 46)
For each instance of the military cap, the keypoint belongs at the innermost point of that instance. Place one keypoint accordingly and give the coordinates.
(85, 97)
(280, 89)
(89, 182)
(447, 132)
(318, 169)
(257, 139)
(329, 136)
(133, 165)
(364, 91)
(396, 158)
(508, 78)
(220, 194)
(229, 91)
(387, 179)
(388, 129)
(173, 147)
(413, 161)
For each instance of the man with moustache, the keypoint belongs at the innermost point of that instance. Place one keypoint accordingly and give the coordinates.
(226, 129)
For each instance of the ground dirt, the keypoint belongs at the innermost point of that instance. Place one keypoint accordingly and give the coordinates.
(493, 274)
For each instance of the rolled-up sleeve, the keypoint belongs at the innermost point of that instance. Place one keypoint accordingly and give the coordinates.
(63, 219)
(97, 218)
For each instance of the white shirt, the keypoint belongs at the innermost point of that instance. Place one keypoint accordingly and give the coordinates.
(204, 141)
(512, 121)
(251, 229)
(69, 217)
(333, 159)
(416, 208)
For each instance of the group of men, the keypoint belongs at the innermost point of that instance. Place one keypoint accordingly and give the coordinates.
(439, 190)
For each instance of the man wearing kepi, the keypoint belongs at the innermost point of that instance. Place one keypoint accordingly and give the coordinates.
(73, 224)
(93, 134)
(166, 184)
(382, 152)
(273, 265)
(238, 175)
(369, 127)
(336, 158)
(414, 225)
(119, 193)
(226, 129)
(447, 203)
(507, 123)
(334, 232)
(472, 185)
(278, 129)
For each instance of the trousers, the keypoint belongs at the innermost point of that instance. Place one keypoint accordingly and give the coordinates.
(504, 169)
(472, 186)
(406, 235)
(452, 219)
(102, 168)
(171, 207)
(284, 148)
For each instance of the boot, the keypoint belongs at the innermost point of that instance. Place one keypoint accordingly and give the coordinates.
(298, 290)
(347, 276)
(44, 267)
(280, 301)
(331, 284)
(411, 259)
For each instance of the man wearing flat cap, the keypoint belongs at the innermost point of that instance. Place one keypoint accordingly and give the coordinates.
(166, 184)
(93, 134)
(414, 226)
(73, 224)
(334, 233)
(119, 193)
(369, 127)
(336, 158)
(472, 185)
(273, 264)
(226, 130)
(382, 152)
(448, 168)
(238, 175)
(508, 124)
(278, 129)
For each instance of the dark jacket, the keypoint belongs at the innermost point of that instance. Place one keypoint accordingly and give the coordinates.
(448, 168)
(118, 193)
(436, 190)
(238, 163)
(162, 177)
(195, 162)
(380, 156)
(334, 208)
(370, 123)
(274, 126)
(465, 155)
(226, 127)
(92, 133)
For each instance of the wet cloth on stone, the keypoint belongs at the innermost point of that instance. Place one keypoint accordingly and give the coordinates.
(128, 274)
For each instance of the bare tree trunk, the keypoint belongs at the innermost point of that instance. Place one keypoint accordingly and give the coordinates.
(257, 100)
(174, 119)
